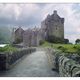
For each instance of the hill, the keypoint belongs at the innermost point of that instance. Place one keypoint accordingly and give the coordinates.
(66, 48)
(5, 35)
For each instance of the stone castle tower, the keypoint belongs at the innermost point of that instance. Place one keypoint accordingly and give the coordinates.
(17, 35)
(53, 26)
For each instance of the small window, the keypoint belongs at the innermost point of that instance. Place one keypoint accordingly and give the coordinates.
(56, 28)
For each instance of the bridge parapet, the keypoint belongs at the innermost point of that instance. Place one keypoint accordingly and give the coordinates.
(67, 67)
(8, 59)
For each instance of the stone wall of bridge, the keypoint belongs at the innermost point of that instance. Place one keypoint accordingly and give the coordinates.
(67, 67)
(8, 59)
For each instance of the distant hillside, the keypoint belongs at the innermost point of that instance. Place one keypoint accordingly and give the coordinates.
(5, 35)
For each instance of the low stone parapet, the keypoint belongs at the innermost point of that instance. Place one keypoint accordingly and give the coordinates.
(67, 67)
(7, 59)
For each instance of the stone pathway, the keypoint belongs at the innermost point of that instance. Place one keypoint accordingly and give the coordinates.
(33, 65)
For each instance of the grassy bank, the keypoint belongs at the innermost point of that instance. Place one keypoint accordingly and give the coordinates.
(7, 48)
(67, 48)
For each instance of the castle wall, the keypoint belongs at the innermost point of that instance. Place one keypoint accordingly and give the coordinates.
(57, 30)
(27, 37)
(31, 38)
(34, 38)
(43, 30)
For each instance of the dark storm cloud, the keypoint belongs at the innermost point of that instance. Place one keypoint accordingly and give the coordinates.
(20, 14)
(28, 21)
(24, 21)
(33, 14)
(5, 21)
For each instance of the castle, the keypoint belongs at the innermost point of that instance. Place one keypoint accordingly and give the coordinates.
(29, 37)
(51, 28)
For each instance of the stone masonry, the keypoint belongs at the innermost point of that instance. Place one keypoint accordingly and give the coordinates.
(53, 26)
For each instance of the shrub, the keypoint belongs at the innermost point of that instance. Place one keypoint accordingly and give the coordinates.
(77, 41)
(17, 41)
(74, 47)
(78, 51)
(66, 41)
(62, 49)
(53, 39)
(41, 42)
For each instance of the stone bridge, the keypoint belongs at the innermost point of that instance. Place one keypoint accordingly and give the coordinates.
(41, 62)
(36, 64)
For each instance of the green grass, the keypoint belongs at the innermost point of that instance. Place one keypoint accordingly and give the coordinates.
(67, 48)
(8, 48)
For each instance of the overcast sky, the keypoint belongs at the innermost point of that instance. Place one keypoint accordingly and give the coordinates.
(30, 15)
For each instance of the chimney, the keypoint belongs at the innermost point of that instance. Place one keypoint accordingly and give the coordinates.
(55, 12)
